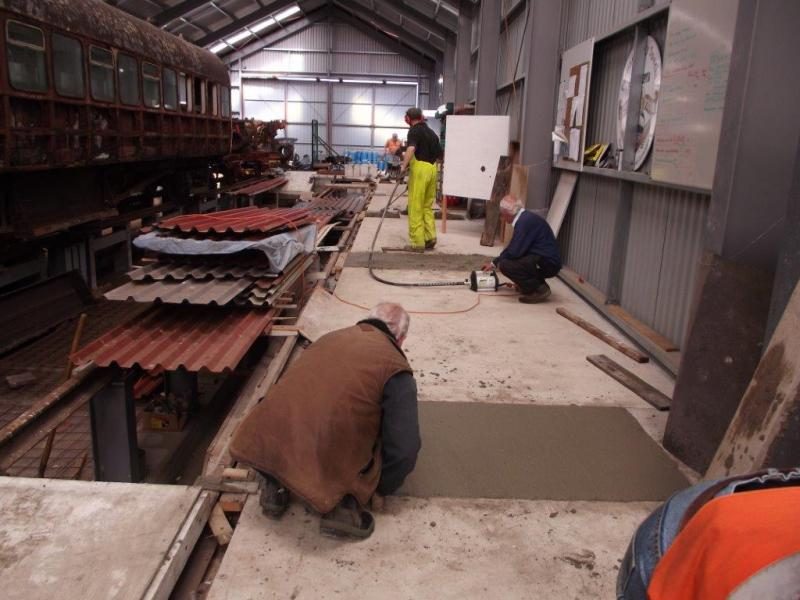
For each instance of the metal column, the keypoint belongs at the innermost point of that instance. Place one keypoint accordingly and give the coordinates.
(541, 79)
(449, 85)
(113, 421)
(489, 41)
(463, 53)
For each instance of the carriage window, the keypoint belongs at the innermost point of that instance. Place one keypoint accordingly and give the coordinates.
(151, 86)
(211, 106)
(26, 61)
(183, 93)
(199, 96)
(68, 66)
(225, 100)
(170, 83)
(101, 74)
(128, 74)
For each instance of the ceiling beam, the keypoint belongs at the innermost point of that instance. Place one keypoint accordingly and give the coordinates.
(393, 30)
(253, 17)
(175, 12)
(413, 15)
(276, 36)
(425, 59)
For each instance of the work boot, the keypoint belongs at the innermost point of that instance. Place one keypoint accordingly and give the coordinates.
(347, 519)
(415, 249)
(541, 294)
(274, 498)
(430, 244)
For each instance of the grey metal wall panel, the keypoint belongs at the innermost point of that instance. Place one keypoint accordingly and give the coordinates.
(609, 63)
(264, 90)
(301, 132)
(390, 116)
(577, 246)
(509, 102)
(645, 252)
(582, 19)
(352, 136)
(683, 247)
(664, 249)
(605, 214)
(301, 91)
(352, 94)
(264, 110)
(305, 112)
(281, 61)
(351, 114)
(398, 95)
(513, 46)
(316, 37)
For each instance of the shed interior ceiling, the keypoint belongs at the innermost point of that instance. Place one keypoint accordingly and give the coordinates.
(212, 23)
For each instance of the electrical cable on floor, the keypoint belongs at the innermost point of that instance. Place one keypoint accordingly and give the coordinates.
(392, 198)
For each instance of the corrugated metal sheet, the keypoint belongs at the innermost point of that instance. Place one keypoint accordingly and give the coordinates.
(609, 63)
(352, 136)
(510, 102)
(582, 19)
(178, 271)
(354, 54)
(213, 292)
(301, 91)
(237, 220)
(197, 338)
(512, 43)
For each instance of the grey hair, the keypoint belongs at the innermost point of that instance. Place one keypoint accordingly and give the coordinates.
(510, 204)
(395, 317)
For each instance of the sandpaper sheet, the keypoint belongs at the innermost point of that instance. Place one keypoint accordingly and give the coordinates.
(481, 450)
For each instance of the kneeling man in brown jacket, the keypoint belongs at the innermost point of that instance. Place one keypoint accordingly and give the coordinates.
(339, 426)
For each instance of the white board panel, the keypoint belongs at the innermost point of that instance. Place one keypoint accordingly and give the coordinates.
(573, 106)
(695, 77)
(474, 146)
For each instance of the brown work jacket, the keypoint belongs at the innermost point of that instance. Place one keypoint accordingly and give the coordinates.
(318, 429)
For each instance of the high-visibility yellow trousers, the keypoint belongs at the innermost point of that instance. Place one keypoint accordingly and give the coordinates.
(421, 196)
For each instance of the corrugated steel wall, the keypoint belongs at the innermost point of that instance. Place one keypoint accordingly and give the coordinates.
(666, 229)
(362, 116)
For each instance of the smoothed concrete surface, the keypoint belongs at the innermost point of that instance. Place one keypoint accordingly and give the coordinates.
(493, 450)
(438, 548)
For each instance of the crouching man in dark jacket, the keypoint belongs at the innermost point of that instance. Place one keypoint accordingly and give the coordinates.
(339, 427)
(532, 254)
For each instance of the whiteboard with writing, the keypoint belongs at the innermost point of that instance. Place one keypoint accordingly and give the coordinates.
(695, 76)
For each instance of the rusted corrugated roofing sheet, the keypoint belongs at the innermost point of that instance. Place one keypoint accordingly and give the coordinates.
(240, 220)
(191, 270)
(189, 291)
(253, 188)
(198, 338)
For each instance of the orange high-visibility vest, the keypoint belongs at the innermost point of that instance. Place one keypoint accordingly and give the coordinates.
(729, 541)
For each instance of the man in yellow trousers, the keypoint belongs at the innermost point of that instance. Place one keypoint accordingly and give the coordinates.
(424, 150)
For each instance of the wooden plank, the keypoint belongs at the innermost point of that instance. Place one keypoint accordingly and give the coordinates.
(166, 577)
(600, 334)
(237, 474)
(634, 383)
(220, 526)
(561, 199)
(764, 420)
(215, 483)
(659, 340)
(502, 182)
(264, 376)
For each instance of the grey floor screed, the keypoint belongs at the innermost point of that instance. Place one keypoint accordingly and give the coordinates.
(481, 450)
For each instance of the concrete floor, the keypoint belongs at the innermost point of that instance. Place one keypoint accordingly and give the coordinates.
(490, 349)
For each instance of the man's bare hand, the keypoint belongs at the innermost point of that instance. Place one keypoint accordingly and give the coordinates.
(487, 267)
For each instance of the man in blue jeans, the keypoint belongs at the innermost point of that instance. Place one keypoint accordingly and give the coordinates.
(532, 254)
